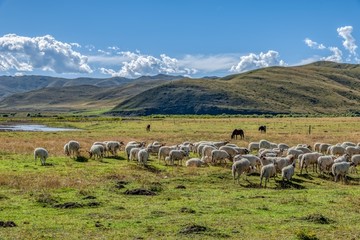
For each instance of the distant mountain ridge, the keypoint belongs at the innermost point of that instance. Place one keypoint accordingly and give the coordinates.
(320, 87)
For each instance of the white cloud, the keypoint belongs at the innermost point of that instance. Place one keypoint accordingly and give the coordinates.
(349, 41)
(254, 61)
(45, 53)
(138, 64)
(313, 44)
(335, 57)
(209, 63)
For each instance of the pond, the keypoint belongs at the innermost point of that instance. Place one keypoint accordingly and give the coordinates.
(33, 128)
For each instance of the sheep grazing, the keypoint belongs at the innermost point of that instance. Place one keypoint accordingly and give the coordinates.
(352, 150)
(131, 145)
(325, 163)
(42, 154)
(340, 169)
(219, 156)
(177, 155)
(267, 172)
(253, 146)
(113, 146)
(230, 150)
(282, 162)
(264, 144)
(324, 147)
(206, 152)
(143, 156)
(309, 158)
(195, 162)
(134, 153)
(154, 147)
(283, 146)
(336, 150)
(239, 167)
(164, 151)
(288, 172)
(254, 160)
(102, 144)
(97, 151)
(343, 158)
(72, 148)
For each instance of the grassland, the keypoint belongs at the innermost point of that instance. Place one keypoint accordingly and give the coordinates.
(86, 200)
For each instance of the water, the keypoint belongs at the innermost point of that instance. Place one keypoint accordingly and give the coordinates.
(34, 128)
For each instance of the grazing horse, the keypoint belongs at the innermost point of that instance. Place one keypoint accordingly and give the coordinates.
(148, 128)
(262, 129)
(237, 132)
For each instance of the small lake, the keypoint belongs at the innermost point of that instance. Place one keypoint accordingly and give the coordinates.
(33, 128)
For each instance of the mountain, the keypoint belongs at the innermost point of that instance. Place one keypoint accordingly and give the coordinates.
(321, 87)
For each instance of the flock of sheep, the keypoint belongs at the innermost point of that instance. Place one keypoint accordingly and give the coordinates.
(264, 157)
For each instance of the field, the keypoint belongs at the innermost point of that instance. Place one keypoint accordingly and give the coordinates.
(68, 199)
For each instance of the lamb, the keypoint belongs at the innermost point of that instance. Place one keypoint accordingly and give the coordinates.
(325, 163)
(177, 155)
(340, 169)
(72, 148)
(219, 155)
(253, 146)
(42, 154)
(195, 162)
(288, 172)
(239, 167)
(114, 146)
(143, 156)
(267, 172)
(97, 151)
(309, 158)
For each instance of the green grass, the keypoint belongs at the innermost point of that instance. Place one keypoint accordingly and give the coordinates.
(35, 197)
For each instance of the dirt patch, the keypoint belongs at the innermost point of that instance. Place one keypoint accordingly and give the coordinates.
(5, 224)
(194, 229)
(317, 218)
(140, 191)
(68, 205)
(187, 210)
(46, 199)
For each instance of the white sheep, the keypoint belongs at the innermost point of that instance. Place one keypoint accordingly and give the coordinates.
(264, 144)
(325, 163)
(324, 147)
(254, 160)
(340, 169)
(113, 146)
(230, 150)
(309, 158)
(143, 156)
(344, 158)
(154, 147)
(206, 152)
(219, 144)
(72, 148)
(295, 152)
(195, 162)
(97, 151)
(282, 162)
(134, 153)
(304, 149)
(131, 145)
(239, 167)
(317, 146)
(42, 154)
(352, 150)
(219, 156)
(254, 146)
(336, 150)
(102, 144)
(288, 171)
(267, 172)
(283, 146)
(356, 159)
(177, 155)
(164, 151)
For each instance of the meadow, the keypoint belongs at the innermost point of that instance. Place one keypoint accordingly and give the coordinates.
(68, 199)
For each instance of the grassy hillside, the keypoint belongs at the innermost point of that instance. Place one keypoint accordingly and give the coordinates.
(322, 87)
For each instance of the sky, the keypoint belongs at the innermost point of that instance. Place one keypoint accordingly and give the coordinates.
(195, 38)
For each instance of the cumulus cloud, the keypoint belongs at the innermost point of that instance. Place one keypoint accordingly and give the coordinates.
(138, 64)
(254, 61)
(349, 41)
(313, 44)
(45, 53)
(335, 57)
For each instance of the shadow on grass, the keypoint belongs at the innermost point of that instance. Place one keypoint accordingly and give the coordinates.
(288, 185)
(306, 176)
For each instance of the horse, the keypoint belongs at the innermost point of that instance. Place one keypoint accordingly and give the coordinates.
(237, 132)
(148, 128)
(262, 129)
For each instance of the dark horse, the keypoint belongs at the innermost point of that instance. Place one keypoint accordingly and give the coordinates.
(148, 128)
(262, 129)
(237, 132)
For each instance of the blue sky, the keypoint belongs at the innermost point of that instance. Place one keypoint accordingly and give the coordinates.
(130, 38)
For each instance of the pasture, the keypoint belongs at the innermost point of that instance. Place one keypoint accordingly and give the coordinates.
(68, 199)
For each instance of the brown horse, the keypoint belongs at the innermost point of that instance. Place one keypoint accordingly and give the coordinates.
(148, 128)
(262, 129)
(237, 132)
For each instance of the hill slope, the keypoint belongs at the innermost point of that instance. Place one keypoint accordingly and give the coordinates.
(322, 87)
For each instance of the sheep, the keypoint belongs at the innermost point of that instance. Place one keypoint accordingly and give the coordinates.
(336, 150)
(282, 162)
(266, 160)
(143, 156)
(72, 148)
(254, 160)
(164, 151)
(232, 151)
(304, 149)
(325, 163)
(264, 144)
(195, 162)
(219, 144)
(343, 158)
(352, 150)
(102, 144)
(267, 172)
(206, 153)
(288, 171)
(42, 154)
(131, 145)
(134, 153)
(272, 152)
(154, 147)
(253, 146)
(114, 146)
(355, 159)
(283, 146)
(219, 155)
(239, 167)
(309, 158)
(324, 147)
(177, 155)
(340, 169)
(97, 151)
(242, 150)
(347, 144)
(202, 146)
(317, 146)
(295, 152)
